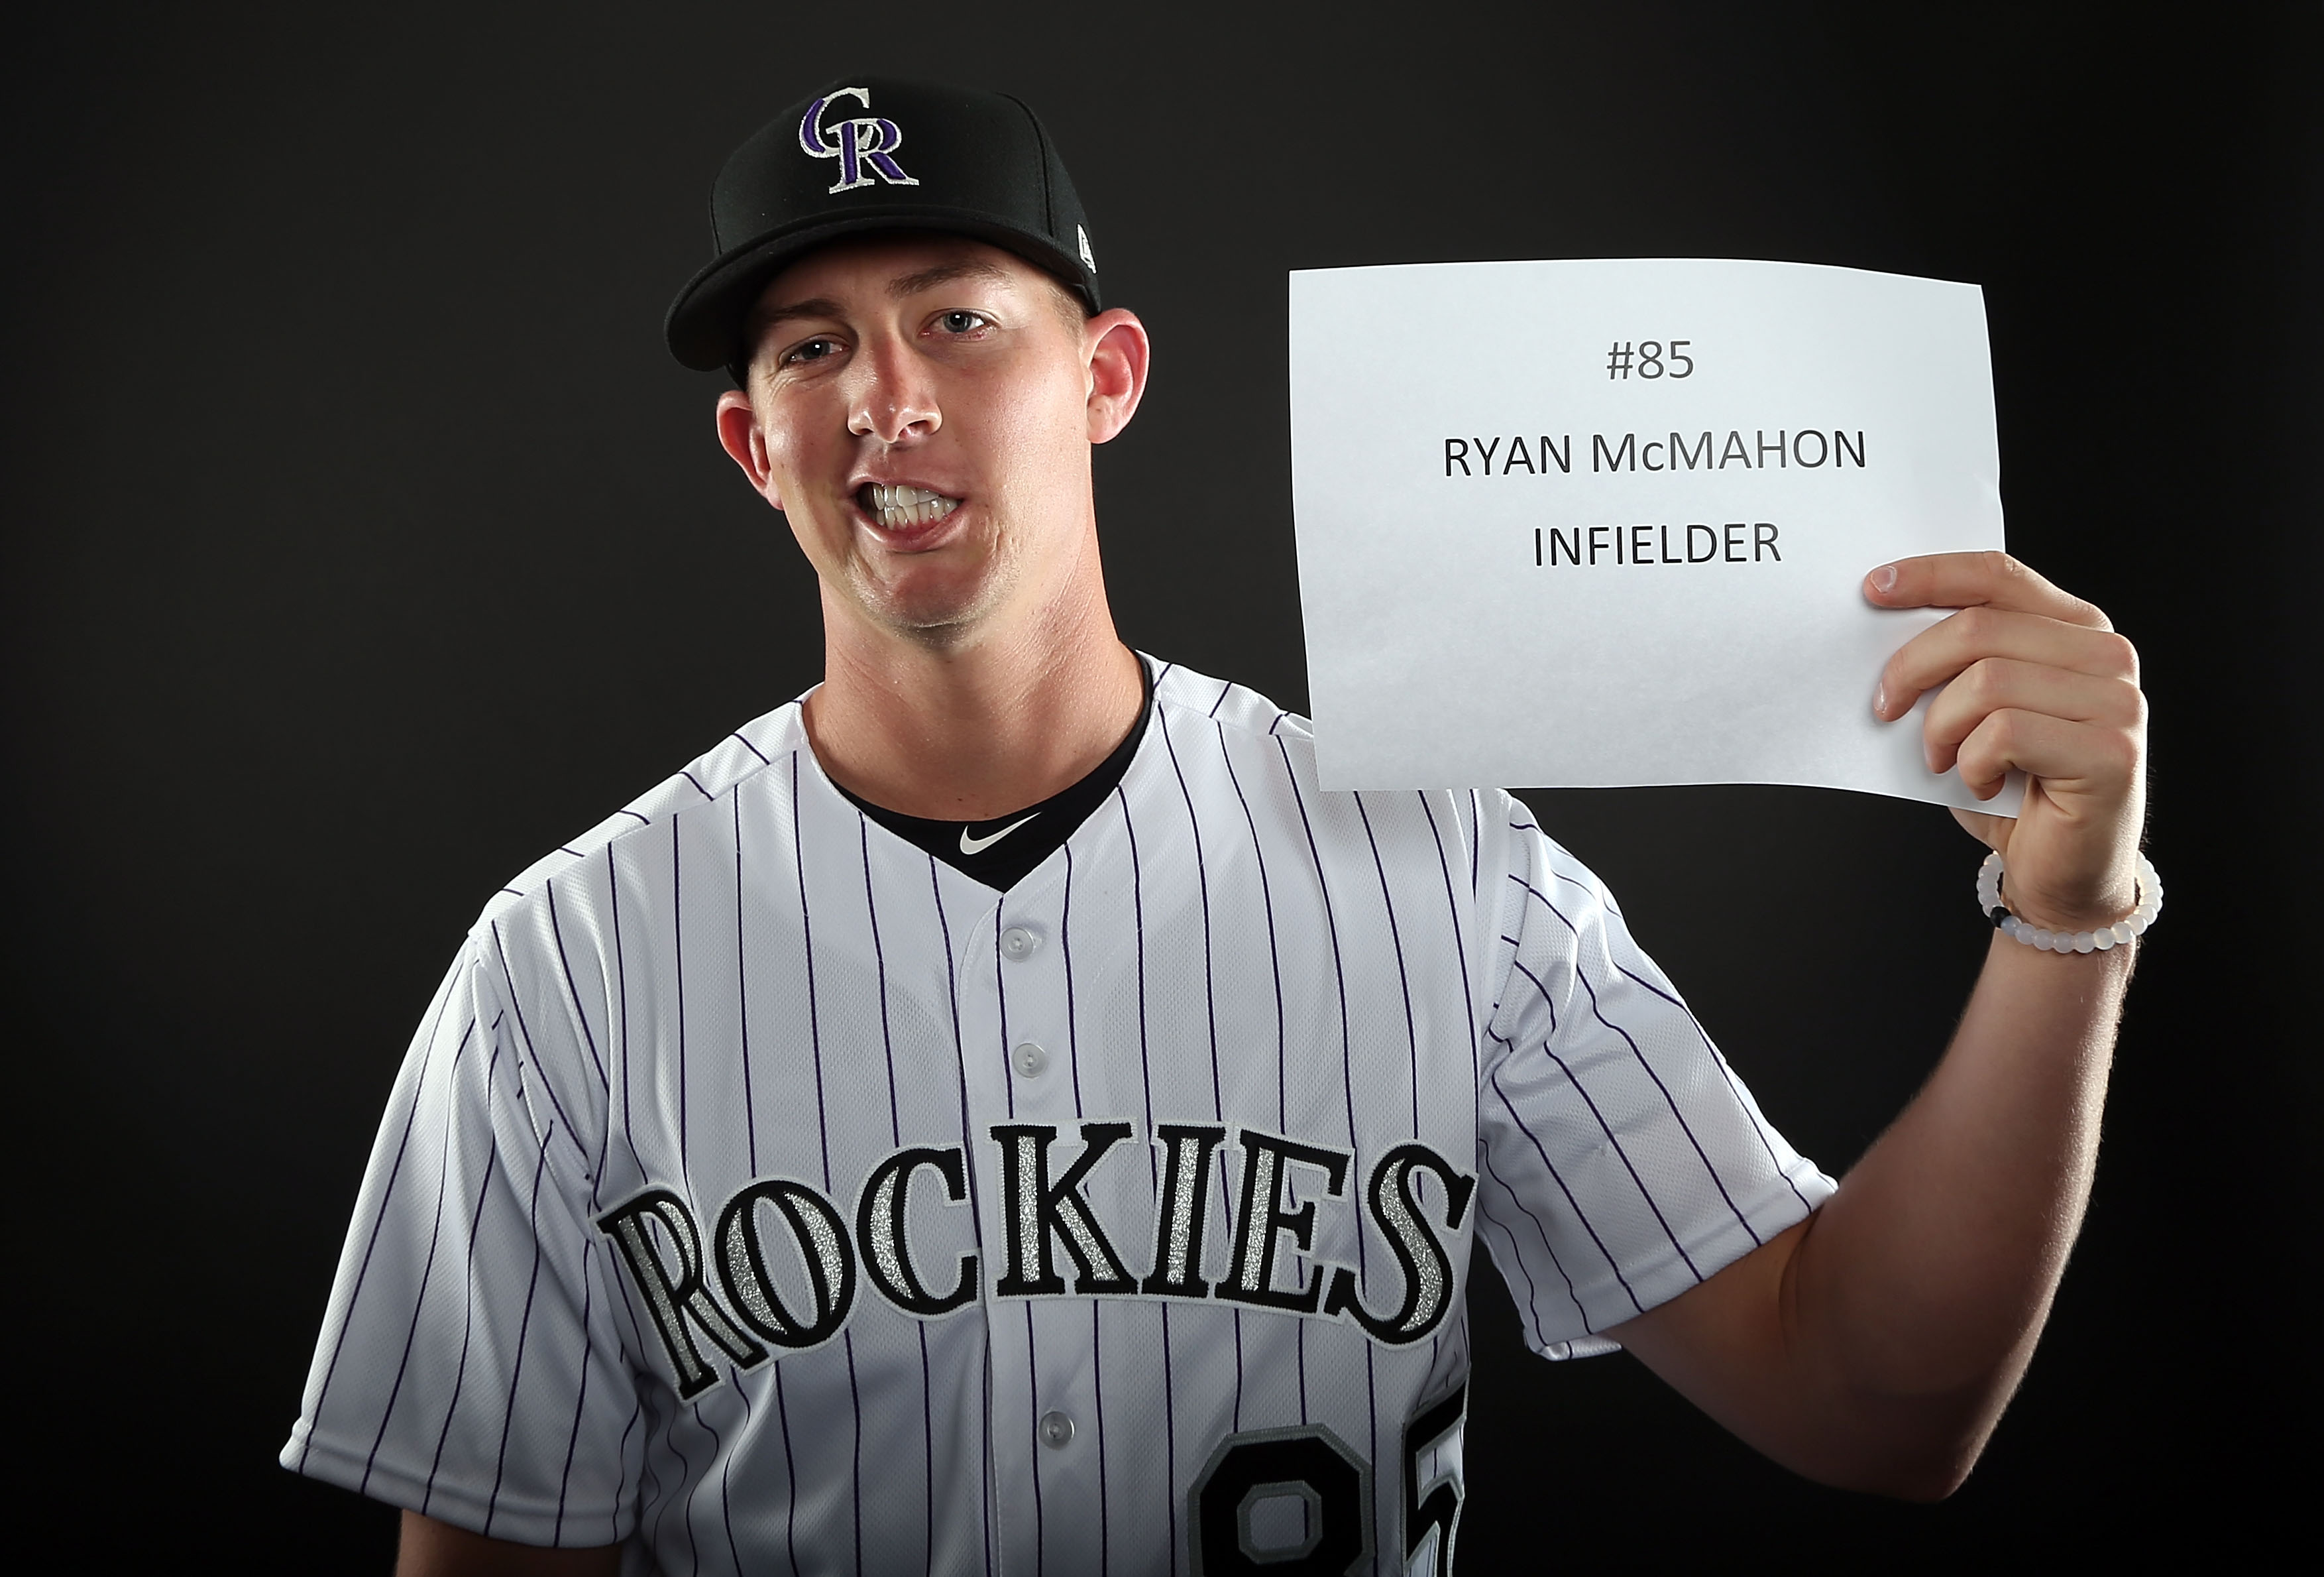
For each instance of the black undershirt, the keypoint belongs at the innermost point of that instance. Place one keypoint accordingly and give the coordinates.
(1033, 833)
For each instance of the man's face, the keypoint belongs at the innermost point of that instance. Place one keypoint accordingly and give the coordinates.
(922, 413)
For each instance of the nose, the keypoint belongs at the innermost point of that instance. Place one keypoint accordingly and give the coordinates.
(894, 400)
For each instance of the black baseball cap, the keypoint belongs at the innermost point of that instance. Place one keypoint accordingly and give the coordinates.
(875, 153)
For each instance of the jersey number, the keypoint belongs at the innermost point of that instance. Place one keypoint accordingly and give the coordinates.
(1298, 1503)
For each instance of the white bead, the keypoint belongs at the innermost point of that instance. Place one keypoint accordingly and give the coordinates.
(2132, 926)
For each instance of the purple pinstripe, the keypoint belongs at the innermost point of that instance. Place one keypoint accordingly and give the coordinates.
(500, 957)
(822, 1137)
(565, 961)
(1282, 1073)
(581, 1395)
(419, 1300)
(1402, 977)
(677, 981)
(896, 1136)
(1459, 946)
(726, 1487)
(1685, 1127)
(1347, 1063)
(380, 1220)
(468, 1304)
(524, 1326)
(1758, 1128)
(1146, 1082)
(1579, 1214)
(976, 1206)
(743, 995)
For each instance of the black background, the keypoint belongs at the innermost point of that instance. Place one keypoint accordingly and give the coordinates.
(363, 543)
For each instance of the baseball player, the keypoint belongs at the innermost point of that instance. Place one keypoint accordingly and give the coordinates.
(998, 1114)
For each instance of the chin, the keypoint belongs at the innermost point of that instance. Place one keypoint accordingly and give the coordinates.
(933, 615)
(934, 603)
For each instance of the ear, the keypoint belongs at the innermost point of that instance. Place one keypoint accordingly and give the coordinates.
(739, 436)
(1115, 346)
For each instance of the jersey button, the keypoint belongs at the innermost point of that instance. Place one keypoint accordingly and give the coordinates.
(1057, 1431)
(1029, 1060)
(1019, 942)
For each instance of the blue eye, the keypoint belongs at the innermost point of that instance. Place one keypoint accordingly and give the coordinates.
(961, 320)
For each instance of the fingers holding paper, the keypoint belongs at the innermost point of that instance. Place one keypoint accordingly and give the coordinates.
(2034, 679)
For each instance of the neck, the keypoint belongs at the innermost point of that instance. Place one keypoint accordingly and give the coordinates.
(973, 730)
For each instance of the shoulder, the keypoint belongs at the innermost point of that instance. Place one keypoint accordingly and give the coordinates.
(1181, 692)
(1483, 831)
(749, 752)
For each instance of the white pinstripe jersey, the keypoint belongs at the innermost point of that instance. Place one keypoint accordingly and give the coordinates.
(766, 1194)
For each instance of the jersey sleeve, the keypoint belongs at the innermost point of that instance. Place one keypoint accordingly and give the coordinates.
(471, 1366)
(1622, 1159)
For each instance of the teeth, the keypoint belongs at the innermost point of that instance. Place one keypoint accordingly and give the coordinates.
(899, 507)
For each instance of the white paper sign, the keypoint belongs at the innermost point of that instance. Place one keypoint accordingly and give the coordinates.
(1605, 523)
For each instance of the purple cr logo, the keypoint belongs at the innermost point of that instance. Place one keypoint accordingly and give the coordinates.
(861, 145)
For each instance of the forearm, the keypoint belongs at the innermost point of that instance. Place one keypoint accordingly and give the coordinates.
(1874, 1345)
(1915, 1296)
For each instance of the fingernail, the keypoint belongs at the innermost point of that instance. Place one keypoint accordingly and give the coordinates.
(1880, 700)
(1884, 579)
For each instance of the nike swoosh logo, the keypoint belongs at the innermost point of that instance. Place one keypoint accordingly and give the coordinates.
(979, 845)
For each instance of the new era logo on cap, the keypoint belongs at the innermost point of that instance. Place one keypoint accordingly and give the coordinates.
(866, 144)
(972, 163)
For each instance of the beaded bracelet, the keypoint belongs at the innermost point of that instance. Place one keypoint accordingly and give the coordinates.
(2150, 905)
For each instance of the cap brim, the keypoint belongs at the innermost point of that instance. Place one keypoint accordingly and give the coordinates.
(706, 323)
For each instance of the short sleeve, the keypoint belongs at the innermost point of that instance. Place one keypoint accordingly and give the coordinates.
(471, 1366)
(1623, 1161)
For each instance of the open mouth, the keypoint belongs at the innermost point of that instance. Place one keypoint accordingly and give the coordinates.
(903, 508)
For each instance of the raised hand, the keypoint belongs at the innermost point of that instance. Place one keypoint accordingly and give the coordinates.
(2035, 679)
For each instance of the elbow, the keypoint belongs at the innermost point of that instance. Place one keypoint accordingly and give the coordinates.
(1928, 1485)
(1915, 1484)
(1922, 1472)
(1918, 1448)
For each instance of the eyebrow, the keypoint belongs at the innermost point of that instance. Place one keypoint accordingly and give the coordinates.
(901, 287)
(912, 284)
(764, 318)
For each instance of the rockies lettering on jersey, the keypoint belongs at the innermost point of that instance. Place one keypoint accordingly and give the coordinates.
(1187, 1149)
(820, 1237)
(676, 1299)
(1040, 1213)
(1266, 1182)
(1033, 1209)
(886, 1247)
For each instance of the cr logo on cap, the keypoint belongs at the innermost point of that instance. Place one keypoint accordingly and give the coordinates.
(861, 145)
